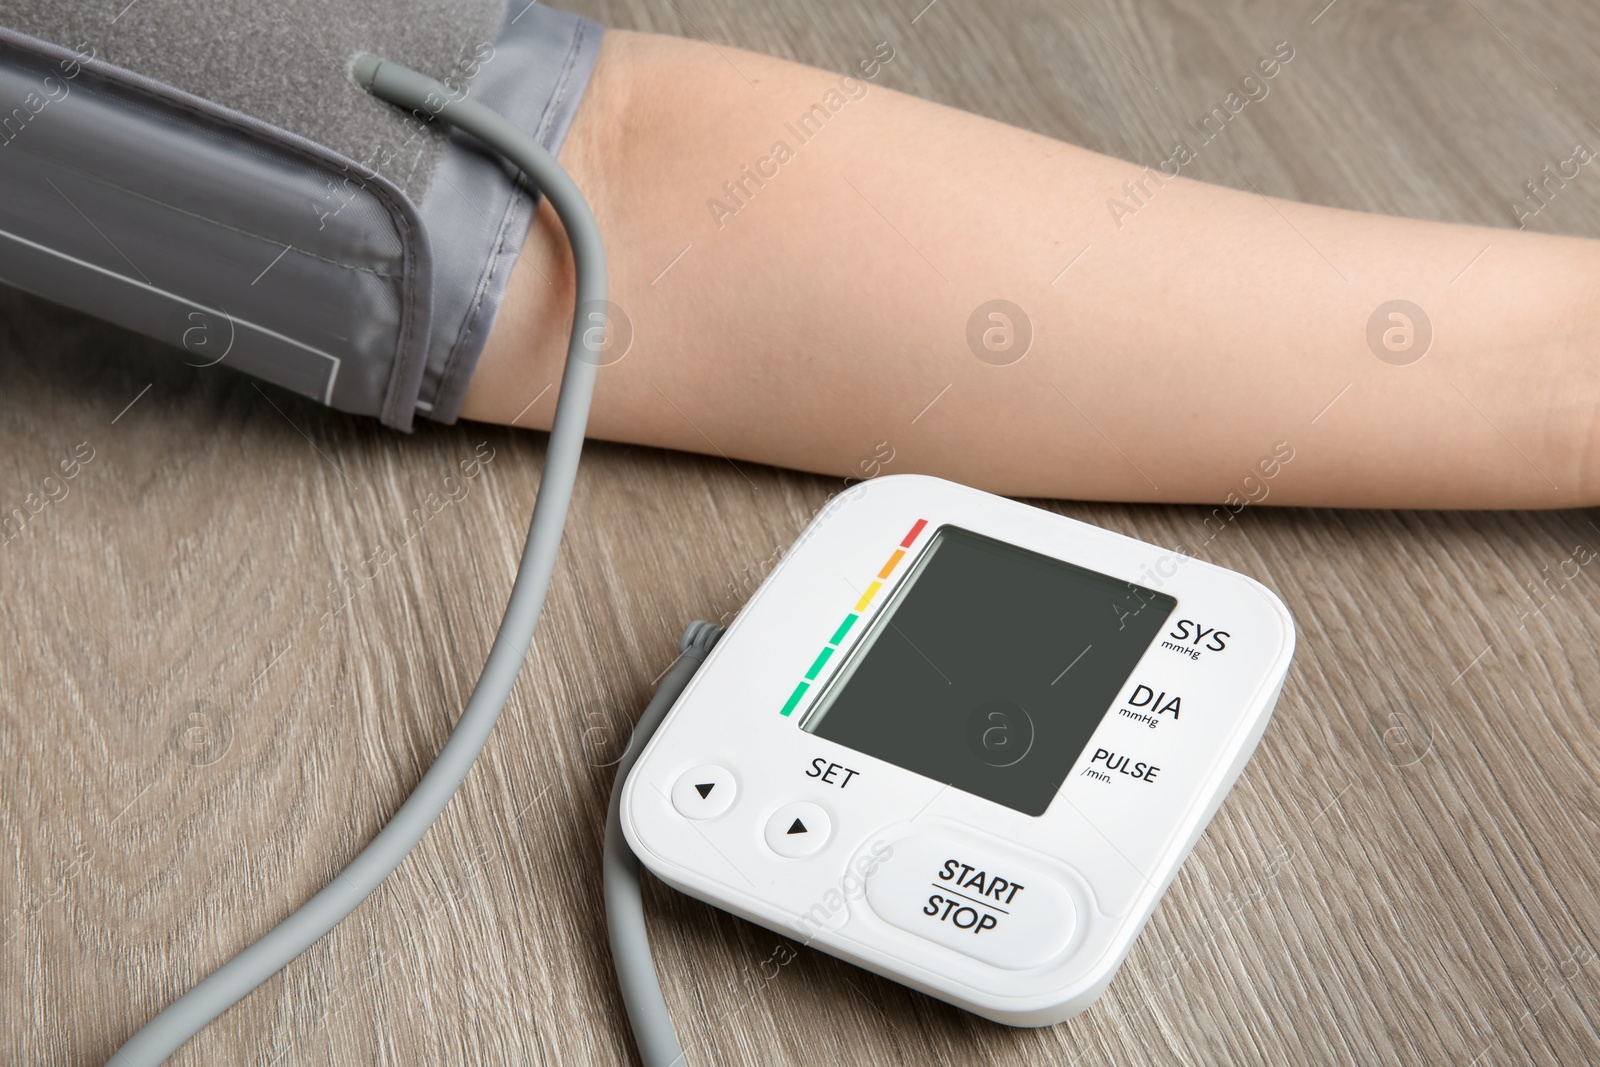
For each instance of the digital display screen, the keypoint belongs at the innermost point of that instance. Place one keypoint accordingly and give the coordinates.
(989, 668)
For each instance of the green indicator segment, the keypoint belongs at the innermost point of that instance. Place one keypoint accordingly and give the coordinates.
(794, 698)
(816, 667)
(844, 628)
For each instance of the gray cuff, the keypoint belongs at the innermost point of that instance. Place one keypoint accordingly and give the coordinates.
(478, 208)
(253, 247)
(243, 245)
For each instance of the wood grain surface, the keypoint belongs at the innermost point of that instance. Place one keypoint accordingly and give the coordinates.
(195, 732)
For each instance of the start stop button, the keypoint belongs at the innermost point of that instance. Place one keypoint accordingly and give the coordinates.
(990, 907)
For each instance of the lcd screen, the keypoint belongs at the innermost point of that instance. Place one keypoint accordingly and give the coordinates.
(989, 668)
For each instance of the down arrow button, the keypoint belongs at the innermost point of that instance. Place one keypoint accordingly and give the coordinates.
(704, 792)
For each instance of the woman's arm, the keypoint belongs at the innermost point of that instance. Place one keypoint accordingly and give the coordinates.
(1186, 337)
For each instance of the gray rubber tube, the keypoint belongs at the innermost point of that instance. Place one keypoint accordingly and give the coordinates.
(233, 980)
(630, 942)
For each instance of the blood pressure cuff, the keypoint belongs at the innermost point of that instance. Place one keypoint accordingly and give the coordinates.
(209, 174)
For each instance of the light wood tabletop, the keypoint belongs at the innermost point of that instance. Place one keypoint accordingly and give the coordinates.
(194, 737)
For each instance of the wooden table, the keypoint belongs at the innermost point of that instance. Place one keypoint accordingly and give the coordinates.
(192, 740)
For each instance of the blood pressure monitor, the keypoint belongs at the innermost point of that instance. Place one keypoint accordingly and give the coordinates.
(962, 742)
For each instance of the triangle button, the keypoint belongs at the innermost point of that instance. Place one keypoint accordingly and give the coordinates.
(798, 829)
(703, 792)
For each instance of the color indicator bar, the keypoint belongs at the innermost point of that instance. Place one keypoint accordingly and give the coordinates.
(850, 619)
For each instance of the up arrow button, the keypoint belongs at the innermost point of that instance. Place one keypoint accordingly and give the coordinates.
(798, 830)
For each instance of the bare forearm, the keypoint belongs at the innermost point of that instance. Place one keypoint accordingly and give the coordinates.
(820, 316)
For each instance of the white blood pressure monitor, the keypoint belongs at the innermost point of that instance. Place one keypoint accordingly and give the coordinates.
(962, 742)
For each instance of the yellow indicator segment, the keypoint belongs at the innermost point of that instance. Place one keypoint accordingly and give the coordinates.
(866, 598)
